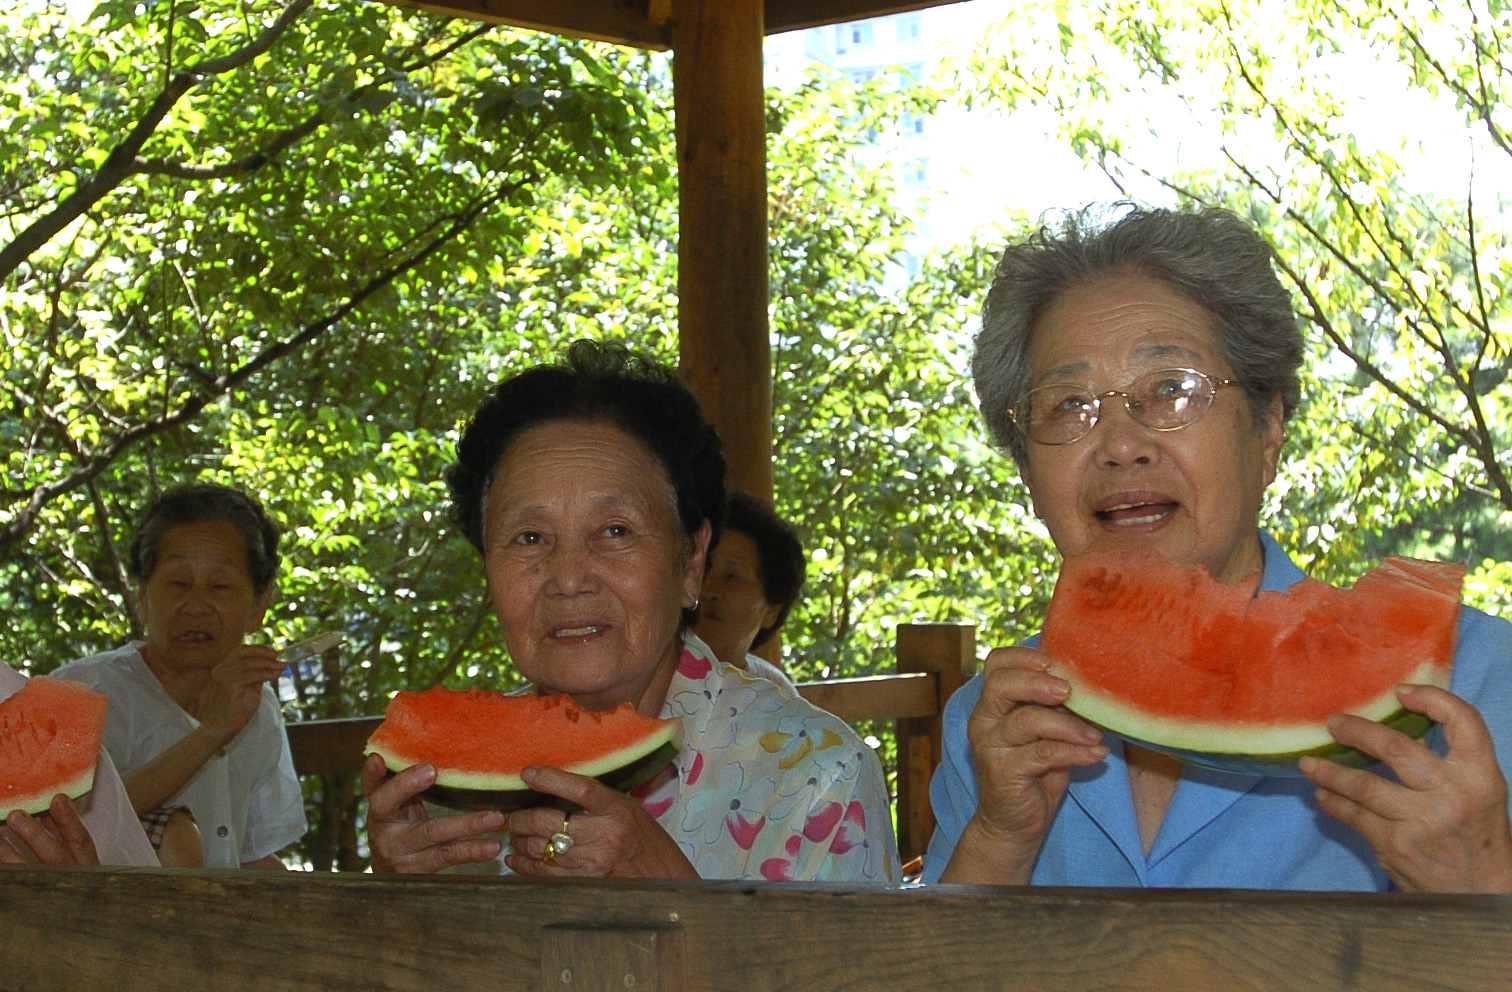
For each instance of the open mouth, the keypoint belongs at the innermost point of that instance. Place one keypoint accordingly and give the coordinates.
(1135, 513)
(194, 637)
(584, 630)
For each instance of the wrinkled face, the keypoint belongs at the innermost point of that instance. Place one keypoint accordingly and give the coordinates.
(1193, 494)
(733, 607)
(587, 564)
(198, 603)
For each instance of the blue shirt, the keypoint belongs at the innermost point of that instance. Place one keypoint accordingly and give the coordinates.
(1221, 830)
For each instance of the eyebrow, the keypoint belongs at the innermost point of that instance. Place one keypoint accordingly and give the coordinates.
(1061, 372)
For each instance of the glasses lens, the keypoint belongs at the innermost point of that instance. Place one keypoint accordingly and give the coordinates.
(1171, 398)
(1058, 413)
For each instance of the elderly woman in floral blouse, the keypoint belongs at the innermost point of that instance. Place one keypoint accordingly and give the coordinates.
(594, 490)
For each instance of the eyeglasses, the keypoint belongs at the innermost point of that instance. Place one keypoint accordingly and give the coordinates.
(1167, 400)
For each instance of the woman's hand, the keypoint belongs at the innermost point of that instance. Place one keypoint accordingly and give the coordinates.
(404, 839)
(231, 698)
(612, 836)
(1023, 745)
(1444, 828)
(57, 837)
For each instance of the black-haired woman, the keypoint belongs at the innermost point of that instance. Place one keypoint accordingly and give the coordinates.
(593, 490)
(194, 722)
(755, 574)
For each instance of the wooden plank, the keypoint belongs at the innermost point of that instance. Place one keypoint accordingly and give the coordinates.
(623, 22)
(723, 349)
(592, 958)
(150, 930)
(323, 747)
(793, 15)
(948, 652)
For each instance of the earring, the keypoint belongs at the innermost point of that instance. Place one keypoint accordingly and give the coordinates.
(695, 603)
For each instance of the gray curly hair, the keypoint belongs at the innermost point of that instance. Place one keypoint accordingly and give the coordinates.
(1211, 256)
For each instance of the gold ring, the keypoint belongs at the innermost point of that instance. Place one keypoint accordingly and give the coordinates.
(548, 856)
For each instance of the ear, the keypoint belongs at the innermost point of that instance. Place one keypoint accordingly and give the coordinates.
(1272, 435)
(770, 616)
(693, 568)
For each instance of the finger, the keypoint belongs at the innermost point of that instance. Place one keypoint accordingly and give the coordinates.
(522, 864)
(1032, 723)
(1464, 727)
(75, 836)
(1365, 789)
(440, 831)
(1009, 688)
(48, 849)
(538, 821)
(1414, 764)
(592, 795)
(1039, 758)
(1350, 813)
(8, 853)
(374, 771)
(471, 850)
(391, 800)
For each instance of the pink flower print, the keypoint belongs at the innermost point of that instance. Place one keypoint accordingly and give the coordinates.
(821, 824)
(692, 666)
(852, 829)
(697, 768)
(742, 830)
(794, 843)
(777, 870)
(718, 795)
(657, 808)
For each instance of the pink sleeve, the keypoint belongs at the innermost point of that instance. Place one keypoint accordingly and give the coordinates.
(107, 814)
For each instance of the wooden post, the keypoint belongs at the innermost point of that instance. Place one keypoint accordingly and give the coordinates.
(947, 651)
(722, 228)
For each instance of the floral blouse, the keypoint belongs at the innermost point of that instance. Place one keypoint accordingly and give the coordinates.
(767, 785)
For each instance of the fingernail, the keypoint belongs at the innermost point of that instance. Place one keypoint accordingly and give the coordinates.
(1306, 763)
(1061, 688)
(1091, 735)
(427, 773)
(529, 774)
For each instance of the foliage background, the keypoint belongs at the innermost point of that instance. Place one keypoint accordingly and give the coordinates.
(300, 271)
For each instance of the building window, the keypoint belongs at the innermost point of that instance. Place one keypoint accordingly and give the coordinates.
(911, 124)
(910, 28)
(915, 172)
(859, 34)
(863, 75)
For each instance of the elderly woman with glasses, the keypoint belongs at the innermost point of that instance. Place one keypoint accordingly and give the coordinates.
(1140, 374)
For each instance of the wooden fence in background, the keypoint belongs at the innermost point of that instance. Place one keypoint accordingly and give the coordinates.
(933, 661)
(78, 930)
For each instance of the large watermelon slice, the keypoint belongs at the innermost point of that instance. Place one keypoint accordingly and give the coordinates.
(50, 733)
(1167, 656)
(480, 742)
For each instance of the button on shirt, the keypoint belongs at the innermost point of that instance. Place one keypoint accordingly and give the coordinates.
(246, 798)
(1221, 830)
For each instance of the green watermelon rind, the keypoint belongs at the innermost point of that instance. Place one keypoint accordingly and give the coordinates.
(622, 769)
(1246, 748)
(39, 802)
(622, 779)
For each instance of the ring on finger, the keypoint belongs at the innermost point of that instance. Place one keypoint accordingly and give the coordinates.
(560, 842)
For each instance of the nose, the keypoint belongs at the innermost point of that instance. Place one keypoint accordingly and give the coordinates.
(570, 569)
(1122, 441)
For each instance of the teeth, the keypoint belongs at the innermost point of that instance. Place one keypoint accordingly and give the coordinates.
(1135, 521)
(577, 631)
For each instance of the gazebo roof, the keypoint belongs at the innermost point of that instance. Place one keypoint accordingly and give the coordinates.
(647, 23)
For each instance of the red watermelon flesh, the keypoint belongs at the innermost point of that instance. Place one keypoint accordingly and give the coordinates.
(50, 733)
(1166, 655)
(480, 742)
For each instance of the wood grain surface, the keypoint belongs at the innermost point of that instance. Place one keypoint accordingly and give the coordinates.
(153, 930)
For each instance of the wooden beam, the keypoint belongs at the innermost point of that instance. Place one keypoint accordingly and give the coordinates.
(136, 929)
(722, 228)
(947, 652)
(623, 22)
(793, 15)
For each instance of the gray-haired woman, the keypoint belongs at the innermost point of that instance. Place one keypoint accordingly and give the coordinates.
(1140, 374)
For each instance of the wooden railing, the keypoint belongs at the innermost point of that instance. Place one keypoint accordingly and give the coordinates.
(933, 661)
(140, 929)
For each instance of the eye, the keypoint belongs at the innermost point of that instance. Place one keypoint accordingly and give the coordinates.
(616, 530)
(528, 538)
(1171, 387)
(1071, 405)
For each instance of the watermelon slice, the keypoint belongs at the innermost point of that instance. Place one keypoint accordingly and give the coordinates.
(50, 733)
(1168, 657)
(480, 742)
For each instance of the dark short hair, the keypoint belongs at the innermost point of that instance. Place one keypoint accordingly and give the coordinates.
(607, 383)
(1211, 256)
(203, 502)
(781, 563)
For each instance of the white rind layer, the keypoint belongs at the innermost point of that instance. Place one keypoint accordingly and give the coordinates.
(494, 781)
(40, 801)
(1212, 737)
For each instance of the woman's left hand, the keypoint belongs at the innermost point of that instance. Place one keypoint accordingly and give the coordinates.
(612, 836)
(1444, 828)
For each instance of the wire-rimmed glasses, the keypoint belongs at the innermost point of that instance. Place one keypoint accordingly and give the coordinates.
(1164, 400)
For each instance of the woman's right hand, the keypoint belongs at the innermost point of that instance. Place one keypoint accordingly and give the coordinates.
(403, 838)
(1024, 745)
